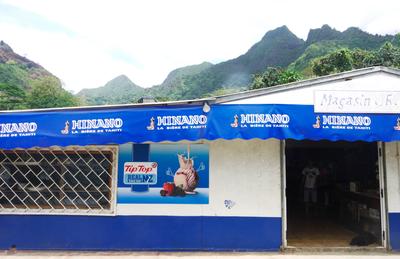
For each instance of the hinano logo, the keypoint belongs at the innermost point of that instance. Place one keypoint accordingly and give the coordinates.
(20, 129)
(109, 123)
(343, 120)
(260, 120)
(181, 120)
(273, 118)
(178, 122)
(89, 126)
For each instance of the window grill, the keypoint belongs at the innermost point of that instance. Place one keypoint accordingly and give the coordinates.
(64, 180)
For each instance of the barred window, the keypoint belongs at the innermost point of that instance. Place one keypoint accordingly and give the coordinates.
(64, 180)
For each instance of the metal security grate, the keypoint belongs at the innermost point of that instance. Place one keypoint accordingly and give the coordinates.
(71, 180)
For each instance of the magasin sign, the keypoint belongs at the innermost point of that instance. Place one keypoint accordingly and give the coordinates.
(385, 102)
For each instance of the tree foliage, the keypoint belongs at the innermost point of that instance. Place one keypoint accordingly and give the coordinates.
(361, 58)
(388, 55)
(11, 97)
(344, 59)
(274, 76)
(47, 92)
(335, 62)
(396, 40)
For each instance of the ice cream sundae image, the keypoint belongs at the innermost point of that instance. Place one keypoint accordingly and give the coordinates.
(186, 178)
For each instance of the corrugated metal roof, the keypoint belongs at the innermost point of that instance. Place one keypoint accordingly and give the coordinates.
(348, 75)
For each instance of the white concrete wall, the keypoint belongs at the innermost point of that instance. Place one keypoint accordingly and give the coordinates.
(392, 163)
(246, 172)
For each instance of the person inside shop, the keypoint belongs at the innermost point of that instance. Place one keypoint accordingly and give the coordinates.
(310, 174)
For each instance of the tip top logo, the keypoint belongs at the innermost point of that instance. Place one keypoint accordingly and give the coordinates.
(235, 123)
(397, 127)
(65, 131)
(317, 123)
(151, 125)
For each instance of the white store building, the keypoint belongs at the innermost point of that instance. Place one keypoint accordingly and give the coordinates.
(309, 164)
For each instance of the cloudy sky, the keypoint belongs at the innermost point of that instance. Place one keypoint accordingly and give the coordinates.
(87, 43)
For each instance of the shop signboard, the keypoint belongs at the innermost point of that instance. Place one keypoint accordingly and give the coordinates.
(357, 102)
(365, 116)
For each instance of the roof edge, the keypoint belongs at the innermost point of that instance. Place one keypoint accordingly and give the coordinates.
(118, 106)
(306, 83)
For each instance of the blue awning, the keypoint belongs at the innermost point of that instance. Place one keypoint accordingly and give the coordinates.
(190, 122)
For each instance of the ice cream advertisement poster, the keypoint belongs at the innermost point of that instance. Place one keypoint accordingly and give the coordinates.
(163, 173)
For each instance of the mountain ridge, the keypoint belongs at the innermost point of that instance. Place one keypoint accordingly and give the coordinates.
(19, 71)
(7, 54)
(118, 90)
(277, 48)
(179, 73)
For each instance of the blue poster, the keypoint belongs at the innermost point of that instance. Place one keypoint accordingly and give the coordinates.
(163, 173)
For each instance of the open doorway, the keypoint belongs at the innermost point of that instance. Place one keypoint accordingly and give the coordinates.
(333, 194)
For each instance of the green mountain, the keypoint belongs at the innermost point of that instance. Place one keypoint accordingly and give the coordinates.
(314, 50)
(322, 34)
(356, 38)
(278, 48)
(22, 81)
(120, 90)
(175, 82)
(325, 40)
(177, 76)
(18, 71)
(353, 37)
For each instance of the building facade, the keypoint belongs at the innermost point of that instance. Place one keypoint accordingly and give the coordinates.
(218, 174)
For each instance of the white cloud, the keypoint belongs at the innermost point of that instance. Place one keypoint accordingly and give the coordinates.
(98, 40)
